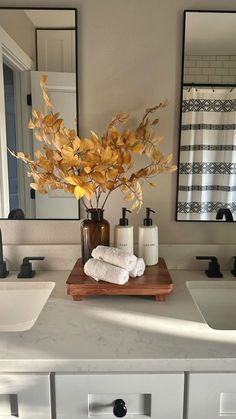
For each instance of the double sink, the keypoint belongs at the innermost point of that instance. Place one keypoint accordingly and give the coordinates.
(21, 303)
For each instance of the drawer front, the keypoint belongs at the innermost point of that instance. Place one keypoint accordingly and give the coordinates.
(211, 396)
(157, 396)
(25, 396)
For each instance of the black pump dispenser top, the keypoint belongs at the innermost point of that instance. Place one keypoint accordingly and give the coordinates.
(148, 220)
(124, 221)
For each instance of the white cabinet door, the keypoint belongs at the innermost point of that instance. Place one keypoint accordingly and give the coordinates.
(211, 396)
(156, 396)
(26, 396)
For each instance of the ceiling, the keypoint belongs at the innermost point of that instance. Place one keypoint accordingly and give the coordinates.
(51, 18)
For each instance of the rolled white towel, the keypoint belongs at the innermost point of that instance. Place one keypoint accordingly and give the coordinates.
(102, 271)
(138, 269)
(115, 256)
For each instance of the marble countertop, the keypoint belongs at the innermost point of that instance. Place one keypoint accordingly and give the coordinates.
(119, 334)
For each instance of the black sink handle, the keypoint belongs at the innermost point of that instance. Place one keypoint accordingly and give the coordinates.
(26, 267)
(213, 270)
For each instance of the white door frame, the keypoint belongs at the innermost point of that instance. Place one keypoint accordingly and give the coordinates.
(16, 58)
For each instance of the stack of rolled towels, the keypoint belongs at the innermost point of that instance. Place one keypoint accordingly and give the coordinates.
(113, 265)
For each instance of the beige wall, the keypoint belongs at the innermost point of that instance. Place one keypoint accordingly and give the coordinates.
(129, 58)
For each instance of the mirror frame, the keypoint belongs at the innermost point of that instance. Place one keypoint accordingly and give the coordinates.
(180, 112)
(75, 10)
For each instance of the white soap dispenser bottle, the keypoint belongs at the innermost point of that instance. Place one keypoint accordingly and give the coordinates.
(148, 240)
(124, 234)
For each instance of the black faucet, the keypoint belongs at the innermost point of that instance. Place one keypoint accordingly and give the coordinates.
(213, 270)
(3, 267)
(26, 267)
(224, 212)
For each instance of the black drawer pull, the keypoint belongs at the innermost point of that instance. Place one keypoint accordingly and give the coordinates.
(119, 408)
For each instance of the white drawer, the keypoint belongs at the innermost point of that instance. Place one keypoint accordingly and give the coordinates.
(157, 396)
(211, 396)
(26, 396)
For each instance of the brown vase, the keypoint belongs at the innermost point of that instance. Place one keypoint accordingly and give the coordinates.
(95, 230)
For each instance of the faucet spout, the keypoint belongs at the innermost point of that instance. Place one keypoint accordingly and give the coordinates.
(224, 212)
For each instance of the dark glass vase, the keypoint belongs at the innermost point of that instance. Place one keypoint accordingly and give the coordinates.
(95, 230)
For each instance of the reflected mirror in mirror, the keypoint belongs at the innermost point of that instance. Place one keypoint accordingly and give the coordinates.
(207, 151)
(34, 42)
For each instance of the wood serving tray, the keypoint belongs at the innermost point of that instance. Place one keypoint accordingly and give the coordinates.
(155, 281)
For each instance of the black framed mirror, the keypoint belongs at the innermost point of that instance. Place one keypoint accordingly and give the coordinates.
(33, 42)
(206, 185)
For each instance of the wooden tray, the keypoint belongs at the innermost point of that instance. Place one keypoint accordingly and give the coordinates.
(156, 281)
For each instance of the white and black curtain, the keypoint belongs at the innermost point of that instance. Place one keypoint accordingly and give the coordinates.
(207, 169)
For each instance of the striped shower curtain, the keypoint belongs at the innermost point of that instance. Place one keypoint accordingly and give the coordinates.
(207, 169)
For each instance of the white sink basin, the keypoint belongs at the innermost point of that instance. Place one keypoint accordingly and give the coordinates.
(21, 304)
(216, 301)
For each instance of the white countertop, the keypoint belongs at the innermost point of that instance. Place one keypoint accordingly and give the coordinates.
(119, 334)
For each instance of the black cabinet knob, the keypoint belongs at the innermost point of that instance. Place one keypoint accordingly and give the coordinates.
(119, 408)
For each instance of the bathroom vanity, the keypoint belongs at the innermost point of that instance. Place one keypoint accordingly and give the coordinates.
(161, 358)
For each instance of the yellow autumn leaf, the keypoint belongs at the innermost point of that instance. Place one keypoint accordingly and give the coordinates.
(169, 158)
(23, 156)
(48, 120)
(57, 156)
(155, 121)
(156, 139)
(73, 180)
(31, 124)
(47, 100)
(112, 173)
(93, 157)
(152, 185)
(79, 192)
(98, 177)
(130, 139)
(126, 157)
(94, 135)
(129, 197)
(59, 140)
(86, 144)
(72, 134)
(89, 191)
(124, 188)
(34, 186)
(136, 204)
(35, 114)
(38, 154)
(43, 80)
(106, 154)
(57, 125)
(138, 148)
(110, 185)
(76, 143)
(87, 169)
(171, 169)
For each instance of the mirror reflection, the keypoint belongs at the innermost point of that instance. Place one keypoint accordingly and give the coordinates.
(34, 42)
(207, 154)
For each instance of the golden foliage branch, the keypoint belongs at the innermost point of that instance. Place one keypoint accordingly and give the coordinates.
(91, 166)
